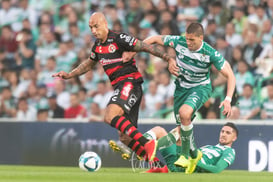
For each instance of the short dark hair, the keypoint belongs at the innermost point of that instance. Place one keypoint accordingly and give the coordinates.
(232, 125)
(195, 28)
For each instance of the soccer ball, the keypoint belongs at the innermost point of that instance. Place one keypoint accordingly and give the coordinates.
(90, 161)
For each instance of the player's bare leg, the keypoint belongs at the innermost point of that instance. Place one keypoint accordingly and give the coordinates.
(186, 136)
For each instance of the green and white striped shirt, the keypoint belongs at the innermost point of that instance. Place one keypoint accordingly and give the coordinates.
(194, 65)
(212, 154)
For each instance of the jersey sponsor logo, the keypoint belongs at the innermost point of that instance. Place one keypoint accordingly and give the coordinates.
(109, 61)
(110, 40)
(111, 48)
(128, 86)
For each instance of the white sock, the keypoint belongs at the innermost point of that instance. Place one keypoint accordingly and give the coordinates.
(186, 128)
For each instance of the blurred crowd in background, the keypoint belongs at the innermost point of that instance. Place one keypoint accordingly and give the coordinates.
(41, 37)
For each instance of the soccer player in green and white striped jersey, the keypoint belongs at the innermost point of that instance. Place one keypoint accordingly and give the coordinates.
(194, 58)
(215, 158)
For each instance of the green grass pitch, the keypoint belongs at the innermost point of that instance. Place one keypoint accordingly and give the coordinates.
(10, 173)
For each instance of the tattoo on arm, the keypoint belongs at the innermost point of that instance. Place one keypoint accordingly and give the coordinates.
(83, 68)
(153, 49)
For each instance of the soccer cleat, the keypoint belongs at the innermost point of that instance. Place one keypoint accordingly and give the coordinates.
(182, 162)
(163, 169)
(125, 156)
(193, 162)
(120, 147)
(150, 148)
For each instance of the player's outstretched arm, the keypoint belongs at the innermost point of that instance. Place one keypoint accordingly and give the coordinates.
(157, 39)
(155, 50)
(79, 70)
(228, 73)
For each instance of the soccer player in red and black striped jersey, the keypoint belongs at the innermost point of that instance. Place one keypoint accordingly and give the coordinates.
(123, 107)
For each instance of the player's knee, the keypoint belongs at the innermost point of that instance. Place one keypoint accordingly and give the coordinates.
(107, 118)
(159, 131)
(185, 116)
(185, 113)
(111, 112)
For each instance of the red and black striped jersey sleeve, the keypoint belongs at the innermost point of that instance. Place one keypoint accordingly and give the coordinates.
(126, 42)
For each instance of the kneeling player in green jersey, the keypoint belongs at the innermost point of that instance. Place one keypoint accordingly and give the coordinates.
(215, 158)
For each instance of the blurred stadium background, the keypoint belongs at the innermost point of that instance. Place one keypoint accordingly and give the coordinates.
(41, 37)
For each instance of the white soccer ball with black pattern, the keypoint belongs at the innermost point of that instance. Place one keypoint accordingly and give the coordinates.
(90, 161)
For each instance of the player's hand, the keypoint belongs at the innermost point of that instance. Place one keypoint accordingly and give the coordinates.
(127, 56)
(173, 68)
(62, 75)
(227, 108)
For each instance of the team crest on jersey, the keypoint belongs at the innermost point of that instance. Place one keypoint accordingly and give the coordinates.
(111, 48)
(202, 58)
(171, 44)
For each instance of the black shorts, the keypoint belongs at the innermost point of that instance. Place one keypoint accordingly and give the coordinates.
(128, 95)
